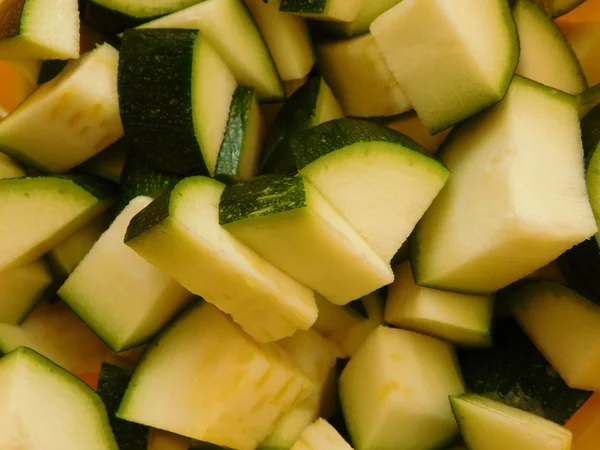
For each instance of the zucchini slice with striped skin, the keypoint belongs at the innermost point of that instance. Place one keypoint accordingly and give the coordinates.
(38, 29)
(336, 10)
(174, 94)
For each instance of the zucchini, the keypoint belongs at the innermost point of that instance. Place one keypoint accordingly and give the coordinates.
(287, 38)
(35, 29)
(364, 171)
(590, 136)
(109, 162)
(18, 82)
(588, 99)
(76, 115)
(523, 378)
(334, 10)
(40, 212)
(231, 30)
(491, 237)
(171, 107)
(239, 388)
(287, 221)
(321, 436)
(562, 324)
(112, 385)
(410, 125)
(180, 232)
(368, 11)
(241, 147)
(490, 425)
(35, 388)
(311, 104)
(545, 54)
(458, 79)
(459, 318)
(10, 168)
(379, 385)
(139, 300)
(360, 79)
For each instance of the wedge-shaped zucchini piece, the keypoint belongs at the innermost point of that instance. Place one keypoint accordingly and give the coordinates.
(37, 29)
(469, 72)
(109, 162)
(360, 78)
(489, 425)
(311, 104)
(229, 27)
(242, 144)
(76, 115)
(287, 221)
(180, 233)
(364, 171)
(588, 99)
(139, 299)
(563, 325)
(18, 82)
(335, 10)
(174, 94)
(501, 217)
(321, 436)
(40, 212)
(545, 54)
(206, 379)
(379, 385)
(10, 168)
(368, 11)
(45, 407)
(590, 136)
(413, 127)
(460, 318)
(287, 37)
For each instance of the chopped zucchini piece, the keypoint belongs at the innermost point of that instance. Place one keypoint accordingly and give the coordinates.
(335, 10)
(413, 127)
(587, 100)
(45, 407)
(360, 78)
(109, 162)
(590, 137)
(76, 115)
(460, 318)
(563, 325)
(469, 72)
(379, 386)
(17, 83)
(231, 30)
(287, 37)
(139, 299)
(37, 29)
(286, 220)
(241, 148)
(40, 212)
(522, 215)
(545, 54)
(180, 232)
(10, 168)
(489, 425)
(174, 93)
(364, 171)
(206, 379)
(321, 436)
(368, 12)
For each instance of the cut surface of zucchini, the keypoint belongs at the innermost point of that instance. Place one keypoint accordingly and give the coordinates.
(369, 11)
(321, 436)
(413, 127)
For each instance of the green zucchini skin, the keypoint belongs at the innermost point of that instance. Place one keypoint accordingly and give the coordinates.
(152, 215)
(514, 372)
(110, 20)
(155, 97)
(10, 18)
(112, 385)
(303, 6)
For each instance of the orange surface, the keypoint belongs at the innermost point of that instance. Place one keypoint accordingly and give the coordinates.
(589, 10)
(15, 86)
(585, 425)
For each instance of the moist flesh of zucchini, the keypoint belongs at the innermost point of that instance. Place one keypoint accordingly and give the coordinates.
(460, 318)
(364, 171)
(139, 299)
(180, 232)
(335, 10)
(288, 222)
(287, 37)
(46, 407)
(10, 168)
(378, 386)
(37, 29)
(40, 212)
(109, 162)
(206, 379)
(490, 425)
(368, 12)
(174, 95)
(471, 71)
(321, 436)
(413, 127)
(360, 78)
(311, 104)
(562, 324)
(590, 136)
(230, 29)
(241, 147)
(76, 115)
(526, 215)
(545, 54)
